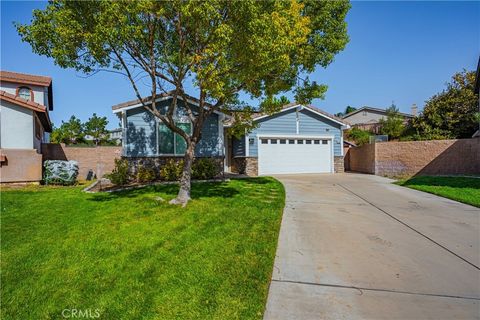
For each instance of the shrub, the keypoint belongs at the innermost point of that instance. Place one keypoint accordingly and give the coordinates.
(119, 175)
(60, 172)
(360, 136)
(145, 174)
(204, 169)
(172, 170)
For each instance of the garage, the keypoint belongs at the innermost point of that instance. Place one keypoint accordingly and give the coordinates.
(295, 154)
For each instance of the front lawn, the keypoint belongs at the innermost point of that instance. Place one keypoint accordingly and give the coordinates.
(130, 255)
(463, 189)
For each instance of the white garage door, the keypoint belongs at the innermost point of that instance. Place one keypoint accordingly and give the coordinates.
(294, 155)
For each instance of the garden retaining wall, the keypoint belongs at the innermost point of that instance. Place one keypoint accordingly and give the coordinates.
(409, 158)
(99, 160)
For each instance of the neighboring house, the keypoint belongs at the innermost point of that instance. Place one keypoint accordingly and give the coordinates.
(116, 135)
(368, 118)
(298, 139)
(24, 124)
(477, 89)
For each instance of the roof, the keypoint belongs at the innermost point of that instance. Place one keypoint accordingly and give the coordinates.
(292, 105)
(135, 102)
(29, 79)
(41, 110)
(477, 77)
(15, 77)
(384, 111)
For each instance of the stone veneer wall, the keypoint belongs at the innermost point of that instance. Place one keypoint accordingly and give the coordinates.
(245, 165)
(156, 163)
(338, 164)
(403, 159)
(100, 160)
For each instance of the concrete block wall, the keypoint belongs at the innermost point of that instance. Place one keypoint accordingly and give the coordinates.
(100, 160)
(20, 165)
(409, 158)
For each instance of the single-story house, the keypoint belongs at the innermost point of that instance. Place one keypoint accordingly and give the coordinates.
(25, 102)
(297, 139)
(368, 118)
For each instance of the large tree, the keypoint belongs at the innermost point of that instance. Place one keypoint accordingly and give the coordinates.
(221, 47)
(69, 132)
(451, 113)
(96, 127)
(393, 125)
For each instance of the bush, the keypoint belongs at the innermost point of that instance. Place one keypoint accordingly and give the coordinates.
(145, 174)
(60, 172)
(172, 170)
(204, 169)
(119, 175)
(360, 136)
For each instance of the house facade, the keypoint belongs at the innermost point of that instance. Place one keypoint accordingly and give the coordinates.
(368, 118)
(25, 102)
(298, 139)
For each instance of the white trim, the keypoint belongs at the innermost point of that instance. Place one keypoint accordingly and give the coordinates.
(301, 108)
(332, 163)
(247, 145)
(163, 99)
(341, 144)
(283, 110)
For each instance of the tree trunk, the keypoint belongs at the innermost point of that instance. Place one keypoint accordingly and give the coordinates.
(185, 181)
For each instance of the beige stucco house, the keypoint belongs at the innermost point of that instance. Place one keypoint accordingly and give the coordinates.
(368, 118)
(25, 102)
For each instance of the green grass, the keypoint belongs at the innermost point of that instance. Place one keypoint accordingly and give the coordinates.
(132, 256)
(463, 189)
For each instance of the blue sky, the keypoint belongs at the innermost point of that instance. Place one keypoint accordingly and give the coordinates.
(398, 51)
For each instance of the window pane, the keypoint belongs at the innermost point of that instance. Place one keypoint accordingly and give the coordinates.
(24, 93)
(308, 141)
(165, 139)
(264, 141)
(283, 141)
(273, 141)
(291, 141)
(180, 143)
(316, 141)
(324, 141)
(299, 141)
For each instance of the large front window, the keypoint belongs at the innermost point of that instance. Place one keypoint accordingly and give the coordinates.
(172, 143)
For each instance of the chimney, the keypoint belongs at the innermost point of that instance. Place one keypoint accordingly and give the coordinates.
(414, 110)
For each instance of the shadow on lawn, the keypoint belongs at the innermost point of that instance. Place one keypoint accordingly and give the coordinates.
(199, 190)
(454, 182)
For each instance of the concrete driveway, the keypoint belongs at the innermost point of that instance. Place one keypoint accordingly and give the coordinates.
(355, 246)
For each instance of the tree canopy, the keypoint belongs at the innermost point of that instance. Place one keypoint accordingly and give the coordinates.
(393, 125)
(96, 127)
(452, 113)
(219, 47)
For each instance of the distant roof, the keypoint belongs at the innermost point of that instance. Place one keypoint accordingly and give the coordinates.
(23, 78)
(41, 110)
(477, 77)
(384, 111)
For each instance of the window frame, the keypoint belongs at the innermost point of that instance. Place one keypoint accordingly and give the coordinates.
(174, 140)
(26, 88)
